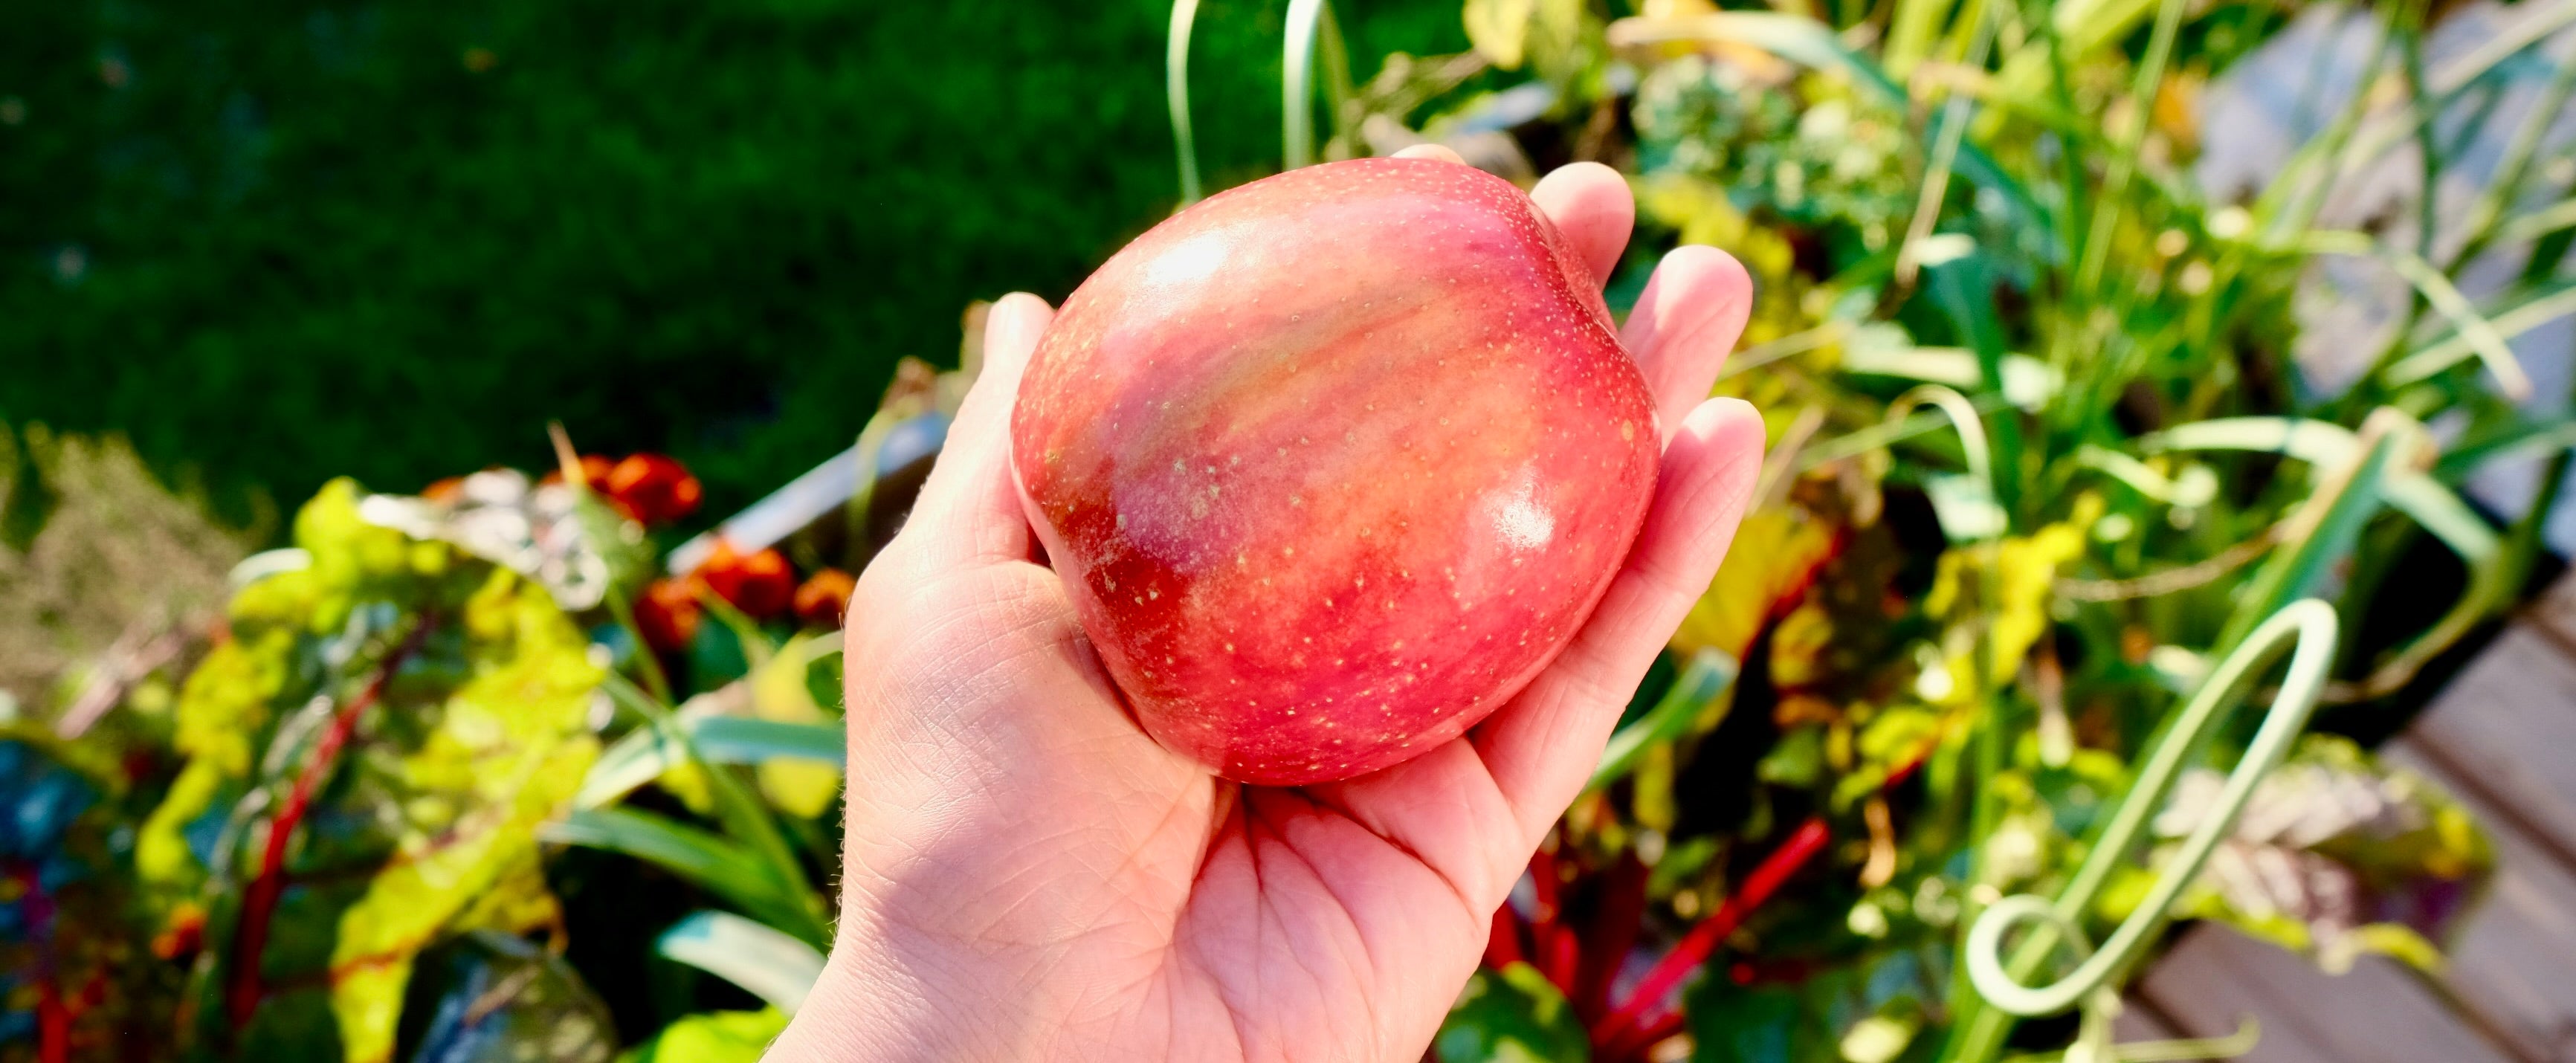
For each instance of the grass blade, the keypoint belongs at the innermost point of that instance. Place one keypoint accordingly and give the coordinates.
(720, 865)
(1796, 38)
(624, 767)
(2320, 535)
(1910, 32)
(744, 740)
(2445, 298)
(742, 813)
(775, 966)
(1707, 677)
(2539, 223)
(2314, 442)
(2520, 440)
(2523, 317)
(2142, 94)
(1889, 432)
(2504, 185)
(1945, 153)
(645, 753)
(2444, 84)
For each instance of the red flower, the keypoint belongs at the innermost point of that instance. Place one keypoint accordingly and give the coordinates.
(823, 597)
(668, 614)
(761, 584)
(651, 488)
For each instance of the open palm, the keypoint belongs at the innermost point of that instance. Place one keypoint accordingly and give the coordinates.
(1028, 876)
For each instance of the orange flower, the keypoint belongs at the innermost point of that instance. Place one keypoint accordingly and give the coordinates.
(668, 614)
(448, 489)
(823, 597)
(759, 584)
(651, 488)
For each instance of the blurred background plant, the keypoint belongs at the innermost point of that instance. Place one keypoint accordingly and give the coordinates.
(239, 235)
(2094, 339)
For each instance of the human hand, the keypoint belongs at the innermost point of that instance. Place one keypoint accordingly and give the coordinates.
(1029, 876)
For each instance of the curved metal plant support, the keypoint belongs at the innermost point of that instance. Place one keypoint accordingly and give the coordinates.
(1998, 980)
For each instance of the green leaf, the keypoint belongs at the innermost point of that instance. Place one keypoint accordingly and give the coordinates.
(2315, 442)
(2539, 223)
(1706, 679)
(639, 758)
(773, 965)
(1735, 1024)
(2520, 439)
(488, 997)
(804, 784)
(1813, 44)
(644, 754)
(1511, 1016)
(712, 1037)
(722, 866)
(743, 740)
(2422, 498)
(745, 818)
(2327, 526)
(506, 751)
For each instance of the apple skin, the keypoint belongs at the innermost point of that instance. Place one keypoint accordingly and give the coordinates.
(1333, 463)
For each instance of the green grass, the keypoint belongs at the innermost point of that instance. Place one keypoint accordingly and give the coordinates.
(316, 240)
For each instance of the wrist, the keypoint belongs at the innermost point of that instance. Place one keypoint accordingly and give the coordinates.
(891, 995)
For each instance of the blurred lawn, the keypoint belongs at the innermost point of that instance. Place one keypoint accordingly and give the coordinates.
(274, 242)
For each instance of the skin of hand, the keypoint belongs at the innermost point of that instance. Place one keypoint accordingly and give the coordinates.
(1029, 877)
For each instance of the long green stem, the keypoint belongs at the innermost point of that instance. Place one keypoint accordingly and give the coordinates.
(2142, 98)
(1945, 151)
(1176, 91)
(2506, 184)
(1296, 84)
(2000, 992)
(646, 664)
(744, 817)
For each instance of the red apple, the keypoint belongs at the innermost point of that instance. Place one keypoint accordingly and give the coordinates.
(1334, 462)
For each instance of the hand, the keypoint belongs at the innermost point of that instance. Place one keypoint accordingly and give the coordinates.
(1030, 877)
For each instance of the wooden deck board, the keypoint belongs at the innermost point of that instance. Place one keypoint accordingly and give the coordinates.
(2554, 613)
(2506, 730)
(2140, 1021)
(2376, 1013)
(2513, 961)
(2502, 738)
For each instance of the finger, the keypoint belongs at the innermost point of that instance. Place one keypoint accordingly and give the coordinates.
(1688, 318)
(1590, 204)
(1543, 746)
(969, 510)
(1433, 152)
